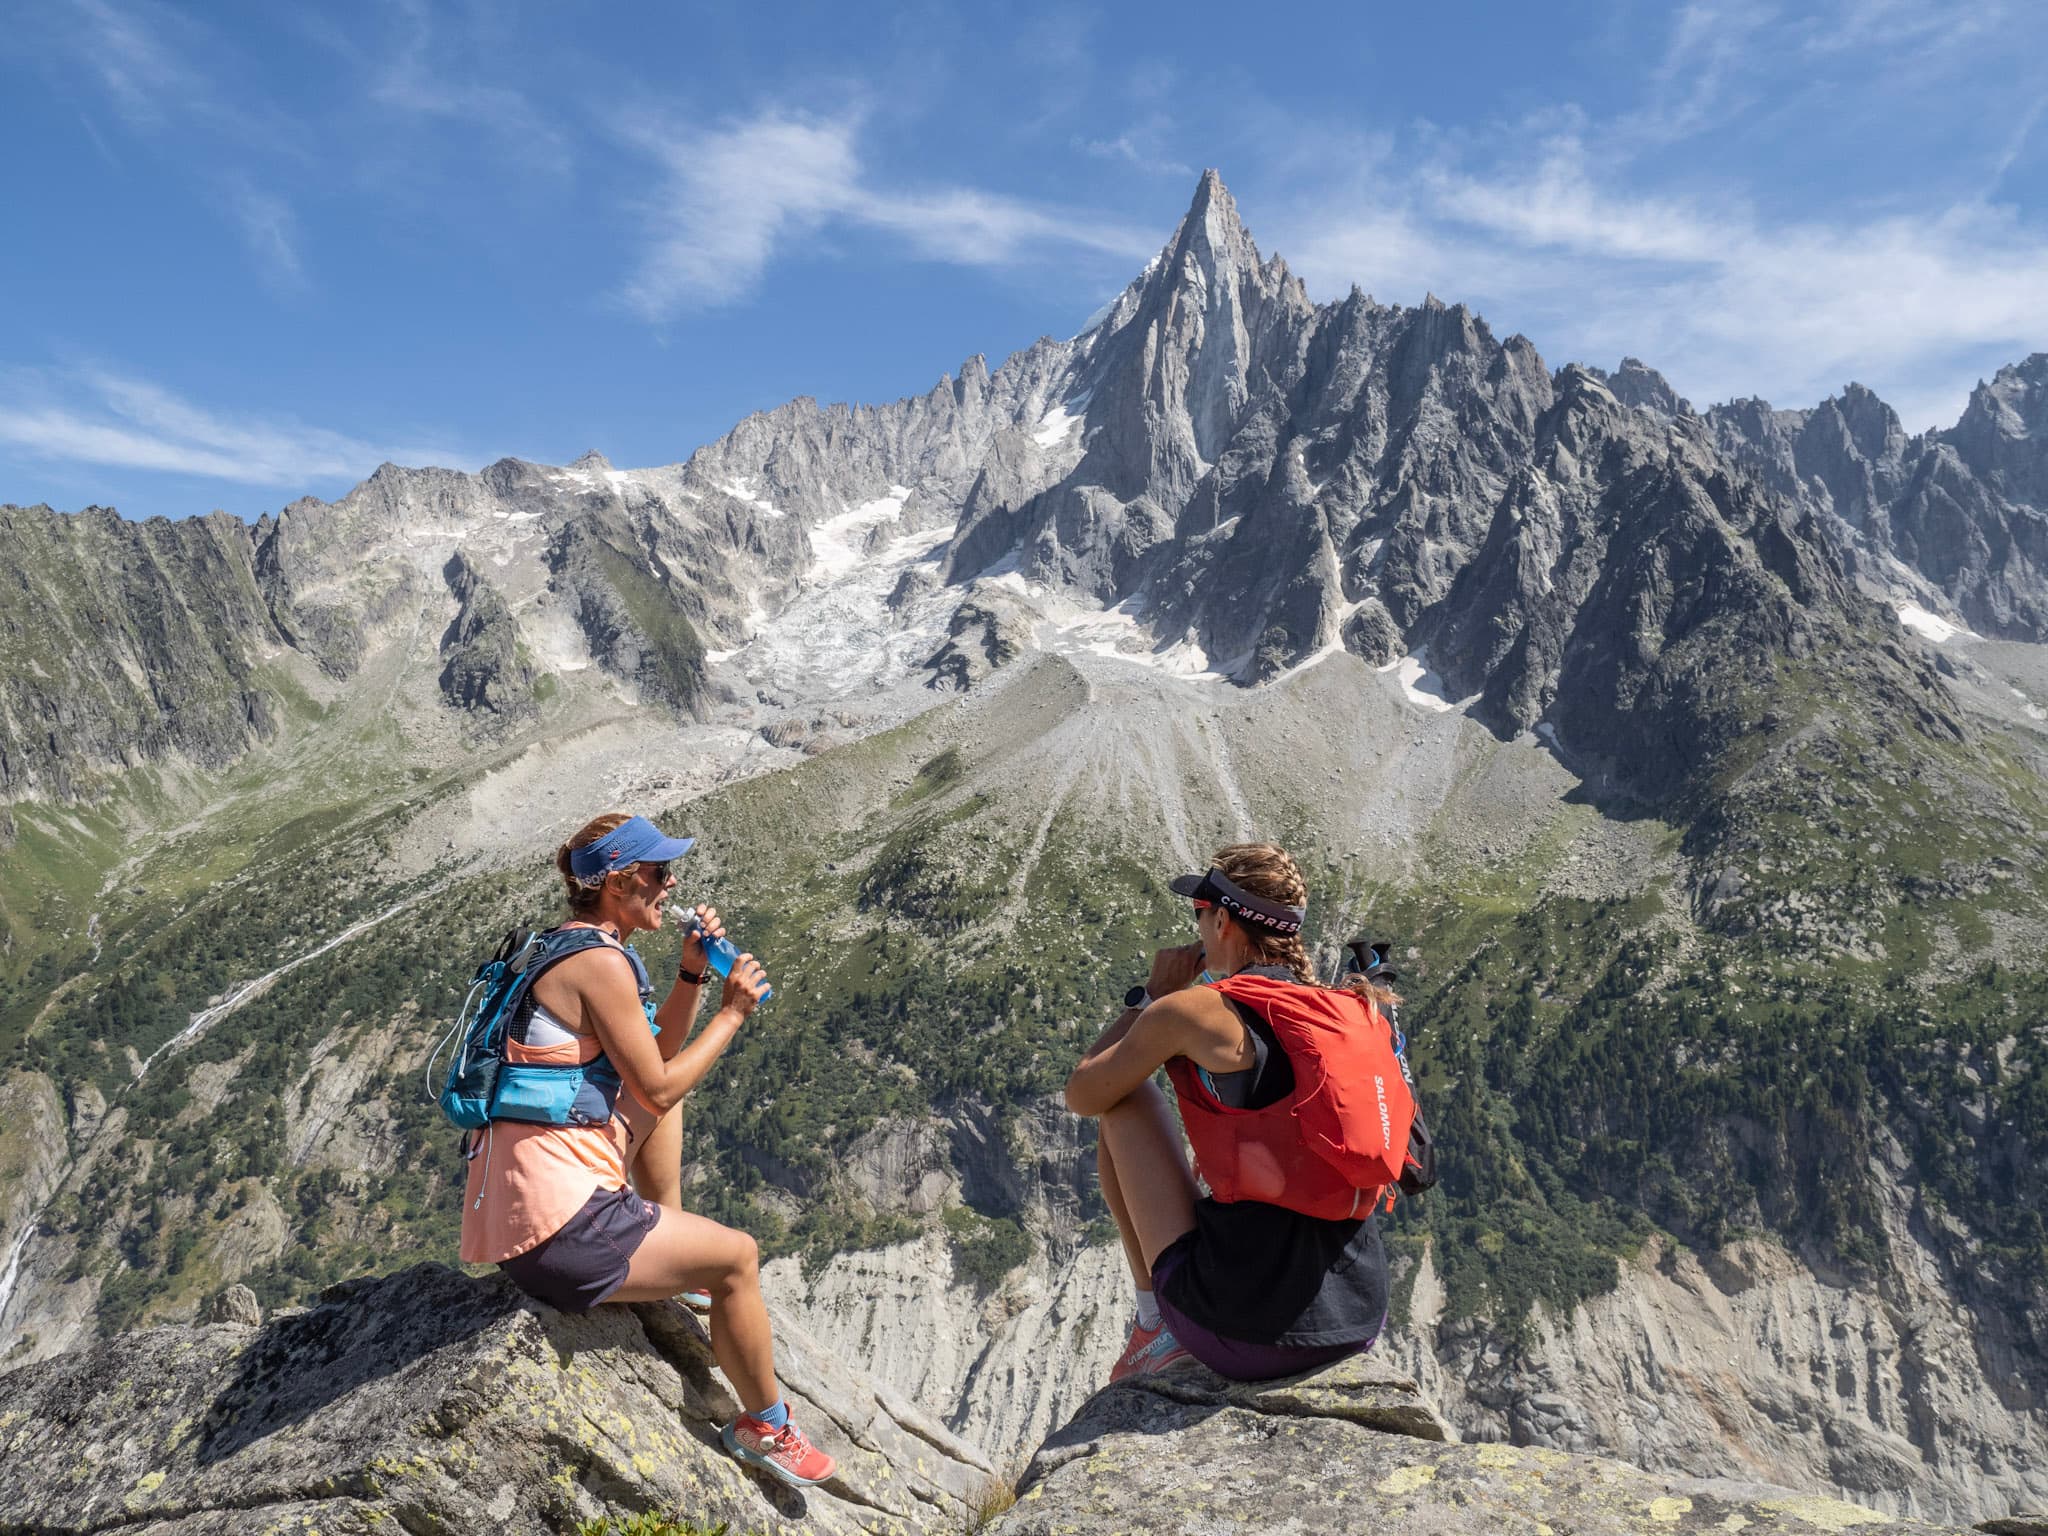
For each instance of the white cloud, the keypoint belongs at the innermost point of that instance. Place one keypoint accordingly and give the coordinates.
(1722, 301)
(109, 419)
(733, 196)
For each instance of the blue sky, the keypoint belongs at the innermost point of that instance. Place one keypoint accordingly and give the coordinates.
(251, 250)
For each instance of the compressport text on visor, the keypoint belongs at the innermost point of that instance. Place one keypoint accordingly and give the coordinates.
(1217, 887)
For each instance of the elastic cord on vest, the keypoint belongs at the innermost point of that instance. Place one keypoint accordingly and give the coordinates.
(486, 1173)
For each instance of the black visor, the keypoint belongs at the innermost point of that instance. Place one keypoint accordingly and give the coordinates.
(1216, 887)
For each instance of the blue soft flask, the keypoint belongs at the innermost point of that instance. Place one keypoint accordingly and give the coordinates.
(720, 954)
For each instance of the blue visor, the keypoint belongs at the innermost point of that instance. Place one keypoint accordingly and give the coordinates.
(637, 841)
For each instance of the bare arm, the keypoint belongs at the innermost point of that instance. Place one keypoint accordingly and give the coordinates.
(1198, 1025)
(611, 1006)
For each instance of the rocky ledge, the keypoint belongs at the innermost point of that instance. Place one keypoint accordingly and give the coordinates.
(427, 1401)
(1356, 1448)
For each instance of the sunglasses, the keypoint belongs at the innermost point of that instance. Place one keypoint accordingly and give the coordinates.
(659, 871)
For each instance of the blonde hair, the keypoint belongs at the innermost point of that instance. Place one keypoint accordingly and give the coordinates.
(1264, 869)
(583, 895)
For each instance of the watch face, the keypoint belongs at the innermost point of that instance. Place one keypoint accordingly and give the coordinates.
(1135, 997)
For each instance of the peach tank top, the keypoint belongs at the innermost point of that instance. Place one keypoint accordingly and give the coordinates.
(526, 1181)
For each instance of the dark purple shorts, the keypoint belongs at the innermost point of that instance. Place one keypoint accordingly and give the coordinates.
(582, 1264)
(1234, 1357)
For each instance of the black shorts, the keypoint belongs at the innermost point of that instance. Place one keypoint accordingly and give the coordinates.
(585, 1262)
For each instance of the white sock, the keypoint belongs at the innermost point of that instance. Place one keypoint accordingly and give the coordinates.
(1148, 1311)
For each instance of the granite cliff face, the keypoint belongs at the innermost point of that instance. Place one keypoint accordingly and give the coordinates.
(123, 644)
(1965, 509)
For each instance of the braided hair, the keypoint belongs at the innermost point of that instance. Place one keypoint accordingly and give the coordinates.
(1264, 869)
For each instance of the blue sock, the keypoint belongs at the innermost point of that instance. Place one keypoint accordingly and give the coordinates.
(774, 1416)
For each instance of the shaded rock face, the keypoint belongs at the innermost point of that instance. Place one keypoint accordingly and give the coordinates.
(429, 1401)
(124, 643)
(1356, 1448)
(989, 629)
(1966, 509)
(483, 667)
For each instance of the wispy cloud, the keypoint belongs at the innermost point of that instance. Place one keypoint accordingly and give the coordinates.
(1576, 230)
(271, 232)
(130, 53)
(732, 196)
(411, 82)
(112, 420)
(1140, 146)
(1725, 302)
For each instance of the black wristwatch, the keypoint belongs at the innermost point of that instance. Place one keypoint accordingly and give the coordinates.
(1137, 997)
(694, 978)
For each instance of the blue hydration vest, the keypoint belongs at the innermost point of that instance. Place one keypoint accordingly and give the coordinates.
(482, 1085)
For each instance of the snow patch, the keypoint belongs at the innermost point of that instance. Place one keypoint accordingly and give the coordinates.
(1055, 425)
(1315, 487)
(1933, 626)
(837, 544)
(838, 637)
(1423, 686)
(742, 489)
(1117, 633)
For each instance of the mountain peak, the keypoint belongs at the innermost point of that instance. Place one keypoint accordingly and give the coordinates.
(1213, 232)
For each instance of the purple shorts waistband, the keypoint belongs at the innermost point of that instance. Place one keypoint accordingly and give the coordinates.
(1235, 1358)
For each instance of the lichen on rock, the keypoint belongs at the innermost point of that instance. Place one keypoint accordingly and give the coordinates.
(427, 1400)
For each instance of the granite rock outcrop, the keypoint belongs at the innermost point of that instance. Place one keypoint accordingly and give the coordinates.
(428, 1401)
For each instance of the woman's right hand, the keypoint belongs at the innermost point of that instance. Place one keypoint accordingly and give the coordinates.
(745, 987)
(1174, 968)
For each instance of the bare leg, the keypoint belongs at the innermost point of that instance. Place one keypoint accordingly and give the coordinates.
(1113, 1197)
(686, 1253)
(1157, 1191)
(658, 1166)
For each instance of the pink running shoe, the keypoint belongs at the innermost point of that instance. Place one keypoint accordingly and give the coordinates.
(1147, 1352)
(783, 1453)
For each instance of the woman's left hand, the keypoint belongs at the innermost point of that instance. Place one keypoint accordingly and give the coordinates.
(693, 942)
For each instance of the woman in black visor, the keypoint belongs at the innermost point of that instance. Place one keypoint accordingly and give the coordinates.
(1278, 1268)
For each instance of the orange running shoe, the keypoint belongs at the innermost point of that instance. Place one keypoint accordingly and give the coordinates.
(783, 1453)
(1146, 1351)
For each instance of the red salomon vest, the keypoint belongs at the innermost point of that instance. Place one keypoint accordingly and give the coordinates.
(1333, 1144)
